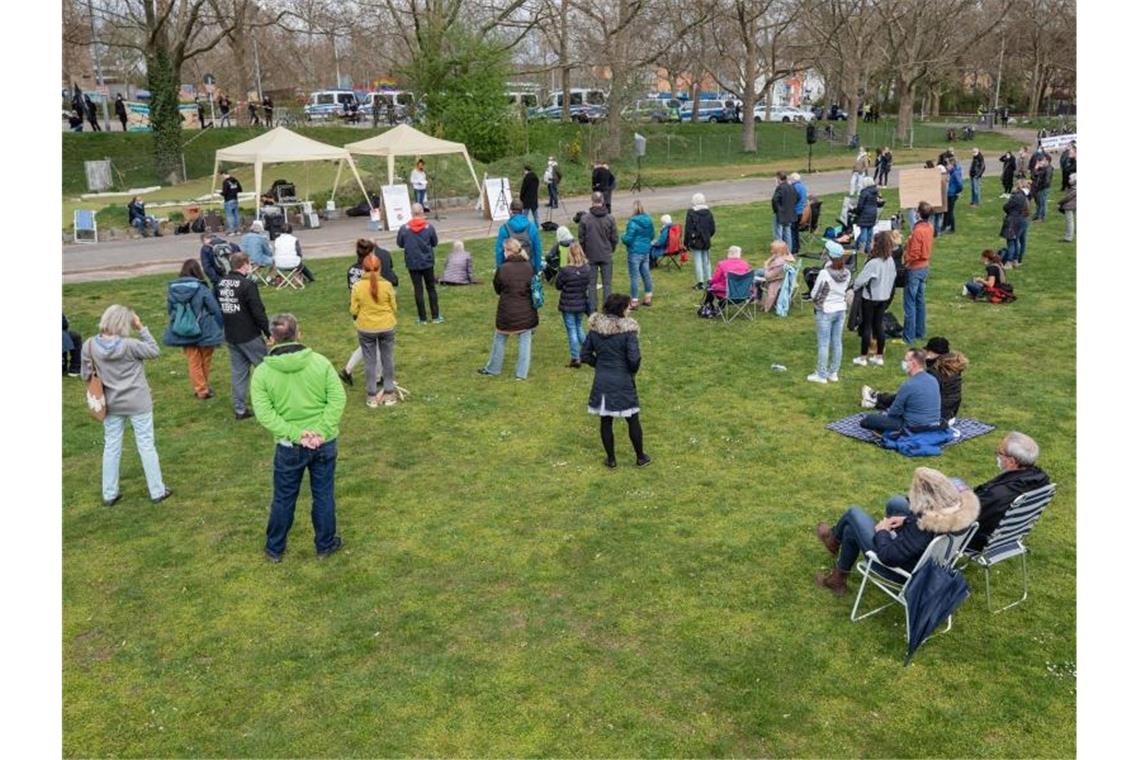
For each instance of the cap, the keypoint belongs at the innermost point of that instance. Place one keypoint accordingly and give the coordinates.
(834, 250)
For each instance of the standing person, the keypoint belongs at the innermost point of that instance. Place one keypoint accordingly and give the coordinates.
(602, 181)
(201, 113)
(515, 314)
(888, 158)
(977, 169)
(230, 189)
(246, 328)
(224, 110)
(214, 268)
(954, 188)
(801, 204)
(613, 350)
(1042, 182)
(267, 107)
(916, 260)
(597, 232)
(418, 239)
(1015, 226)
(375, 111)
(638, 238)
(877, 279)
(829, 294)
(72, 348)
(573, 280)
(195, 324)
(700, 226)
(1023, 162)
(297, 397)
(91, 113)
(858, 171)
(373, 308)
(121, 110)
(866, 215)
(1068, 164)
(520, 227)
(1008, 168)
(552, 177)
(1068, 207)
(364, 249)
(254, 121)
(528, 194)
(784, 199)
(419, 181)
(139, 219)
(117, 359)
(878, 163)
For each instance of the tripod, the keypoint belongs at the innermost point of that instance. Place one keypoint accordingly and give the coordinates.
(637, 185)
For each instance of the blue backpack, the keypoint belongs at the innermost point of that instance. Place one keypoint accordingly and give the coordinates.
(537, 296)
(185, 323)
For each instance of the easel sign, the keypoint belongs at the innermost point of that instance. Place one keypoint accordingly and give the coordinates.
(496, 199)
(917, 185)
(397, 205)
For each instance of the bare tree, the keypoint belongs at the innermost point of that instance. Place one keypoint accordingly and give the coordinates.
(836, 29)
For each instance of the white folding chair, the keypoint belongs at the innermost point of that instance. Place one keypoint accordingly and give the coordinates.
(286, 277)
(1007, 540)
(263, 275)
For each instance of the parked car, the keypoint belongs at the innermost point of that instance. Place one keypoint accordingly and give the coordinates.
(835, 113)
(325, 103)
(715, 111)
(653, 110)
(782, 113)
(583, 114)
(404, 102)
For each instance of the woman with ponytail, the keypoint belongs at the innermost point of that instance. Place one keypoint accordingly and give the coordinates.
(373, 308)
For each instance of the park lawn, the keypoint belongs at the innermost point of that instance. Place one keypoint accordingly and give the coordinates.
(501, 592)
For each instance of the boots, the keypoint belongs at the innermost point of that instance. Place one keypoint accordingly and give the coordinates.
(823, 531)
(836, 580)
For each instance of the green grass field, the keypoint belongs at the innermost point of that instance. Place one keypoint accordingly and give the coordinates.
(502, 593)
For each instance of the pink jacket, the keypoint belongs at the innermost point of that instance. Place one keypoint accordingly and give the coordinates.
(718, 286)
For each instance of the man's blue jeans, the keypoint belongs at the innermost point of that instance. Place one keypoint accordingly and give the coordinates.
(1022, 240)
(936, 222)
(828, 338)
(575, 322)
(289, 465)
(975, 191)
(914, 305)
(498, 349)
(639, 270)
(421, 196)
(552, 191)
(881, 423)
(233, 221)
(1042, 199)
(701, 265)
(863, 243)
(784, 232)
(856, 532)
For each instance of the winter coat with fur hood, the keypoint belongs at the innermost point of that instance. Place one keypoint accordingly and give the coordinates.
(612, 349)
(904, 547)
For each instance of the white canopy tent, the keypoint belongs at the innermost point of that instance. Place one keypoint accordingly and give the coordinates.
(280, 145)
(404, 140)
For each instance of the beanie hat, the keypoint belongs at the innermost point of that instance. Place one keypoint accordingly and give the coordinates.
(938, 345)
(834, 250)
(564, 235)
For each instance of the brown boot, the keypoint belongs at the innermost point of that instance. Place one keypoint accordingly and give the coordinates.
(823, 531)
(836, 580)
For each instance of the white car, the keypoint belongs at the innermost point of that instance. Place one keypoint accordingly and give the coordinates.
(782, 113)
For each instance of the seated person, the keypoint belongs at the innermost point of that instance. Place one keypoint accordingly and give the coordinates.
(206, 255)
(72, 346)
(659, 246)
(557, 255)
(718, 285)
(287, 254)
(994, 279)
(139, 219)
(256, 245)
(459, 269)
(918, 404)
(774, 271)
(947, 367)
(937, 505)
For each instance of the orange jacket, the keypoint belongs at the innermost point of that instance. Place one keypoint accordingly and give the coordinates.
(919, 246)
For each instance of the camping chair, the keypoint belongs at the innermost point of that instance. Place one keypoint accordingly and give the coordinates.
(945, 550)
(263, 275)
(673, 247)
(1007, 540)
(84, 224)
(739, 296)
(809, 223)
(287, 277)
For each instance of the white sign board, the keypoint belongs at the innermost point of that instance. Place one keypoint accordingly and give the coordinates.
(498, 193)
(883, 225)
(1056, 142)
(397, 205)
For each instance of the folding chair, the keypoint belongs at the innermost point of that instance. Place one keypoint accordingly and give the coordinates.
(673, 247)
(286, 277)
(740, 296)
(809, 223)
(84, 223)
(1007, 540)
(945, 550)
(263, 275)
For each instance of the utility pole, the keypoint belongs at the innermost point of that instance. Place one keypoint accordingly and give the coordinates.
(997, 87)
(98, 66)
(257, 69)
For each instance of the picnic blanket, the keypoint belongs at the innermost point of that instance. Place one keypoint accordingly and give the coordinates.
(964, 429)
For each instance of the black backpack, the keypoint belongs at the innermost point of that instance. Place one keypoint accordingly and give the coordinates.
(524, 240)
(891, 326)
(198, 225)
(220, 251)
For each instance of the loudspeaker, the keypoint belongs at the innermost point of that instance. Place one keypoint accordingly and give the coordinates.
(811, 134)
(638, 145)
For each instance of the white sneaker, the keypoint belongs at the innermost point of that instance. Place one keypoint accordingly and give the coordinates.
(965, 291)
(868, 401)
(814, 378)
(860, 360)
(877, 361)
(833, 377)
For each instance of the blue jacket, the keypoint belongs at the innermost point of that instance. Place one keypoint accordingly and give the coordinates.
(418, 239)
(520, 223)
(867, 207)
(918, 403)
(638, 235)
(258, 248)
(661, 243)
(801, 196)
(954, 185)
(928, 443)
(205, 307)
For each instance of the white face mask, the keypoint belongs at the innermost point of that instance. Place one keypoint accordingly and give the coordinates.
(905, 368)
(999, 465)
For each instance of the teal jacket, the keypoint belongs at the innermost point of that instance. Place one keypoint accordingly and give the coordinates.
(638, 235)
(297, 390)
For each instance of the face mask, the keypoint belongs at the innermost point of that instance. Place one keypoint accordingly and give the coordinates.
(999, 463)
(904, 368)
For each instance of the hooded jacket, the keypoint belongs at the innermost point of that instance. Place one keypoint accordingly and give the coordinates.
(257, 246)
(243, 314)
(699, 228)
(1016, 211)
(418, 239)
(954, 180)
(997, 494)
(192, 291)
(574, 282)
(867, 207)
(295, 390)
(638, 235)
(528, 192)
(905, 546)
(520, 226)
(119, 363)
(597, 233)
(829, 294)
(612, 349)
(512, 282)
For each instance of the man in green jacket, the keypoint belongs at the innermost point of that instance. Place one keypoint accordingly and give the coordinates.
(298, 397)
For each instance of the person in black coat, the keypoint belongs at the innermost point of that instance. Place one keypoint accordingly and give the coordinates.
(1015, 225)
(866, 214)
(573, 282)
(603, 181)
(528, 193)
(72, 345)
(1017, 459)
(1008, 168)
(121, 111)
(784, 199)
(246, 329)
(612, 349)
(977, 169)
(92, 116)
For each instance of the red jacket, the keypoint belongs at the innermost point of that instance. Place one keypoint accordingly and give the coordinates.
(919, 246)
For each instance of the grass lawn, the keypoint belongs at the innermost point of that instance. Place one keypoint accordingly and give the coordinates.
(502, 593)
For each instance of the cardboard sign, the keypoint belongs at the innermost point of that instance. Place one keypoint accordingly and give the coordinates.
(917, 185)
(138, 116)
(1057, 142)
(397, 205)
(497, 198)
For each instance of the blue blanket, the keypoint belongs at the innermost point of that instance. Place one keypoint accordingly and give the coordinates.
(963, 430)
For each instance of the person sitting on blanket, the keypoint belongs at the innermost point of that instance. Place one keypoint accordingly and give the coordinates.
(947, 367)
(718, 285)
(937, 505)
(918, 403)
(1018, 473)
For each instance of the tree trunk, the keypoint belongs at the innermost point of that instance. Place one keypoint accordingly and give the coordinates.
(694, 97)
(906, 110)
(566, 93)
(1035, 90)
(238, 48)
(851, 105)
(748, 97)
(564, 56)
(165, 121)
(935, 102)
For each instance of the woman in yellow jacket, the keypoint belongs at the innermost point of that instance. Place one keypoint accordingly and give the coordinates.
(373, 308)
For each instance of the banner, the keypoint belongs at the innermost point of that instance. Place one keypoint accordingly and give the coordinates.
(138, 116)
(497, 198)
(397, 205)
(1057, 142)
(917, 185)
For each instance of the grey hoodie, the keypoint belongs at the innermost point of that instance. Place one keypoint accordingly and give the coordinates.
(119, 363)
(830, 292)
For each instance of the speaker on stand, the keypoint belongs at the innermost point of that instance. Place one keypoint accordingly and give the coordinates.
(810, 142)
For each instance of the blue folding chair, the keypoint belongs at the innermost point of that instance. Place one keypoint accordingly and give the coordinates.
(84, 225)
(740, 296)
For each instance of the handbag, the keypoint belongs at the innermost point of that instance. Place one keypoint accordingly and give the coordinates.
(96, 401)
(537, 296)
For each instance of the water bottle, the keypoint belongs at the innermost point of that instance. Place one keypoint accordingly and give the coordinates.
(779, 368)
